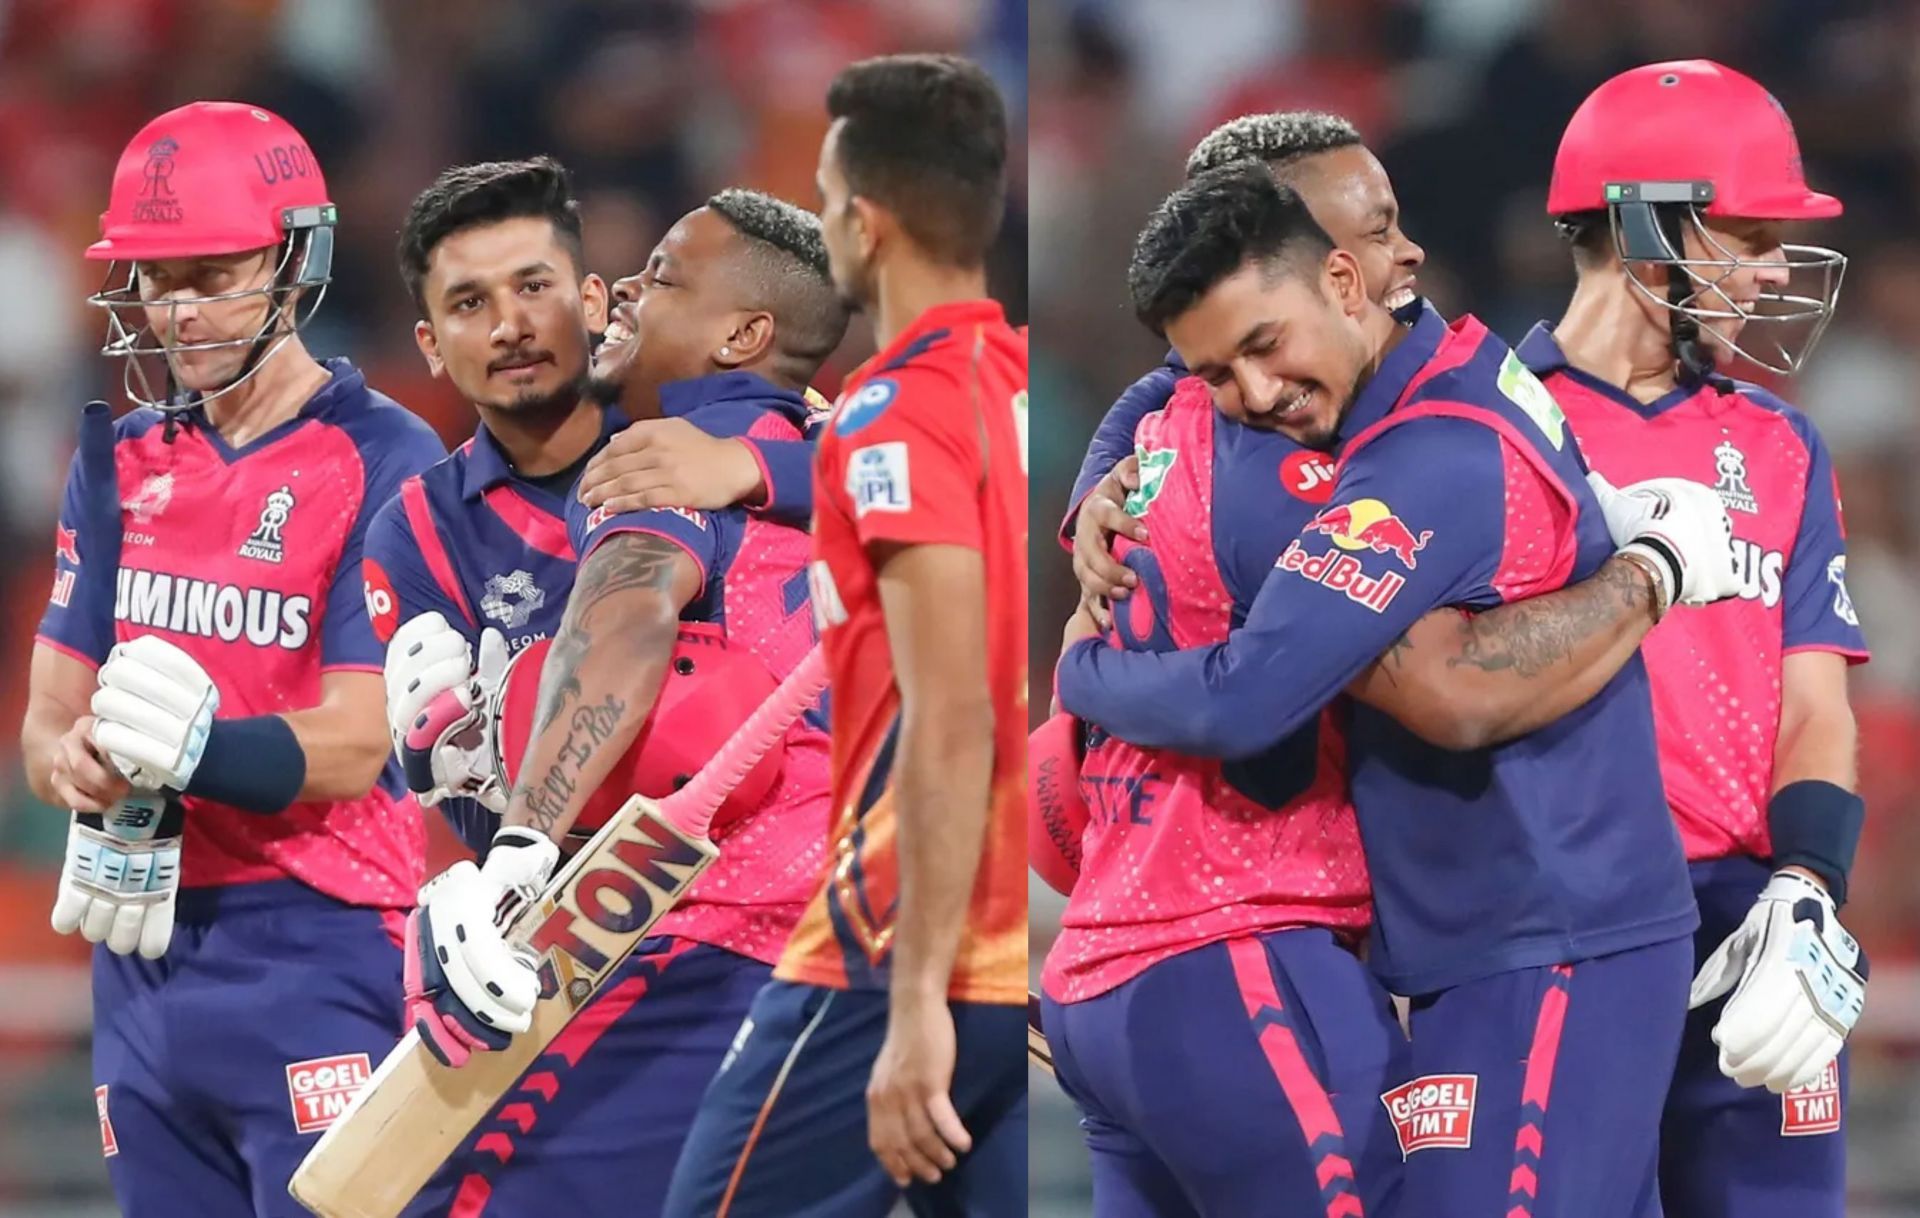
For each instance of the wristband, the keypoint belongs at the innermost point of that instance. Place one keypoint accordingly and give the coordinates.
(1816, 825)
(254, 764)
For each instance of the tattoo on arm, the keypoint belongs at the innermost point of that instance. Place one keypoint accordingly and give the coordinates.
(1390, 659)
(1529, 637)
(624, 563)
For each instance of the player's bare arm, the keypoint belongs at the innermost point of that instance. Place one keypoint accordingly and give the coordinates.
(937, 631)
(344, 737)
(602, 675)
(1818, 738)
(670, 462)
(1469, 680)
(63, 766)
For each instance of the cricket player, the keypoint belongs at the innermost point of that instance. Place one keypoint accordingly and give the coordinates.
(905, 981)
(234, 673)
(1504, 900)
(668, 632)
(1757, 741)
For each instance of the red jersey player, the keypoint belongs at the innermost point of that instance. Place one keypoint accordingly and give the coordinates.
(905, 979)
(1673, 182)
(230, 671)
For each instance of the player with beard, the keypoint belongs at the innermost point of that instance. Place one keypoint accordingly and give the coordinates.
(664, 635)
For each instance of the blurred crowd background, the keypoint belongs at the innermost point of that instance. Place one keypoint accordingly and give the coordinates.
(654, 104)
(1464, 101)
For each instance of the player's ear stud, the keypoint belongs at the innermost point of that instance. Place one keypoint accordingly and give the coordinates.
(726, 350)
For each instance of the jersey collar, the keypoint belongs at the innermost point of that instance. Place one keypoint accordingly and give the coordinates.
(928, 328)
(345, 385)
(1543, 356)
(1426, 330)
(487, 466)
(678, 399)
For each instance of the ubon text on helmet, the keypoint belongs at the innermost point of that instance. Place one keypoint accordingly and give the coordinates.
(1670, 144)
(206, 180)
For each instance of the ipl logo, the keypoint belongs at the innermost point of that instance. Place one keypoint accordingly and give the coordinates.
(157, 204)
(265, 543)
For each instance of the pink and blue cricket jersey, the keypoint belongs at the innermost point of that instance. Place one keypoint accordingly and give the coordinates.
(1520, 890)
(610, 1102)
(249, 560)
(1180, 851)
(218, 1065)
(1219, 902)
(1451, 491)
(1716, 670)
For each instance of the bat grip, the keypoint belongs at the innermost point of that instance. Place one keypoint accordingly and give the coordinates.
(692, 807)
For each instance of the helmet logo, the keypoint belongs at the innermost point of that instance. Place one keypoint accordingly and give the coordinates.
(157, 204)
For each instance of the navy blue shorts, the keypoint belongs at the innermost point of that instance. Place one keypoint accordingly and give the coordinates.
(782, 1131)
(216, 1067)
(1728, 1151)
(1537, 1093)
(597, 1122)
(1241, 1078)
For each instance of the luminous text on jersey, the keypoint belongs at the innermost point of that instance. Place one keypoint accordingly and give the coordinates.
(263, 616)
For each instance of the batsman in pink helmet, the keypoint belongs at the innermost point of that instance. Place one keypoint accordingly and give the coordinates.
(1675, 184)
(206, 689)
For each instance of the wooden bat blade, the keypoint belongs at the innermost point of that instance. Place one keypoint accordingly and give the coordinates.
(414, 1112)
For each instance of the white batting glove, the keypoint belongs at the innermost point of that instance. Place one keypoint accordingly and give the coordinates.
(1680, 526)
(152, 713)
(119, 883)
(1798, 981)
(466, 910)
(436, 710)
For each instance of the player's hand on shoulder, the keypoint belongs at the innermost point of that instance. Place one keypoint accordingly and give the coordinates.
(121, 876)
(1102, 515)
(658, 463)
(1681, 528)
(437, 710)
(152, 712)
(1798, 981)
(468, 989)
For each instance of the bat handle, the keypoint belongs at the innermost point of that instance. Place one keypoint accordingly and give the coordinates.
(692, 807)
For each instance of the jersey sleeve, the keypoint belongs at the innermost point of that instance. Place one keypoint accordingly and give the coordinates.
(911, 461)
(1112, 441)
(786, 466)
(398, 583)
(1392, 544)
(347, 636)
(696, 532)
(1816, 612)
(79, 618)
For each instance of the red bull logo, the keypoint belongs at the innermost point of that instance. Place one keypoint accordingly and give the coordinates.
(1369, 524)
(1343, 573)
(66, 544)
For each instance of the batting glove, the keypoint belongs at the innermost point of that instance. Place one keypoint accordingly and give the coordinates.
(1798, 981)
(152, 713)
(1681, 528)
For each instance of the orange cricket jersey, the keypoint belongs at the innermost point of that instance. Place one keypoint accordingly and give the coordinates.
(928, 445)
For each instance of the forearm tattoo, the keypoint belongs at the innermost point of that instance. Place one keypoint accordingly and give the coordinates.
(624, 563)
(1529, 637)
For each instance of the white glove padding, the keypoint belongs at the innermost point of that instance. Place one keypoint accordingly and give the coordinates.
(467, 909)
(446, 746)
(1798, 981)
(152, 712)
(1682, 527)
(426, 658)
(119, 885)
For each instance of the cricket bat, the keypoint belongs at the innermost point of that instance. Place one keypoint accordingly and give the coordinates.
(1039, 1052)
(414, 1112)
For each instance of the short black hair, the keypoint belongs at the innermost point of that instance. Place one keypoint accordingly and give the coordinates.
(788, 267)
(925, 136)
(1589, 233)
(486, 193)
(1278, 139)
(1208, 229)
